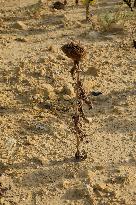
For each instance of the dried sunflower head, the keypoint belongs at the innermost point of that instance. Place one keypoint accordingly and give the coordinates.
(74, 51)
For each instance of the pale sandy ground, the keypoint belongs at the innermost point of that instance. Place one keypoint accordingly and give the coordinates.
(37, 145)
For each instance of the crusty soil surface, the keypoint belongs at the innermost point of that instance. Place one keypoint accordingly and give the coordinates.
(37, 145)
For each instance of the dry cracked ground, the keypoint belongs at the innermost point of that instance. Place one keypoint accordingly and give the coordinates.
(37, 145)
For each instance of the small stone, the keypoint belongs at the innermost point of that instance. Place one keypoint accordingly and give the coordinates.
(58, 90)
(49, 92)
(10, 145)
(91, 175)
(118, 110)
(41, 126)
(128, 159)
(3, 168)
(99, 187)
(36, 161)
(66, 97)
(99, 167)
(121, 179)
(20, 25)
(1, 22)
(102, 188)
(47, 105)
(21, 39)
(78, 24)
(90, 120)
(66, 184)
(133, 138)
(115, 28)
(68, 90)
(52, 48)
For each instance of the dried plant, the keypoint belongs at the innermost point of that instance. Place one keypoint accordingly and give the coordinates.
(129, 3)
(77, 53)
(134, 43)
(88, 3)
(65, 2)
(87, 9)
(59, 5)
(135, 3)
(76, 2)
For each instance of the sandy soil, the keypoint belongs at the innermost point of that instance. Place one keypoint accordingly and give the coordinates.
(37, 145)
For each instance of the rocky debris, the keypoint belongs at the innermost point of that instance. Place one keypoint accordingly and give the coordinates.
(67, 89)
(116, 28)
(10, 145)
(3, 168)
(75, 193)
(120, 179)
(52, 48)
(41, 126)
(99, 167)
(66, 184)
(90, 120)
(21, 39)
(47, 105)
(118, 110)
(2, 190)
(130, 159)
(102, 189)
(20, 25)
(91, 175)
(66, 97)
(78, 24)
(36, 162)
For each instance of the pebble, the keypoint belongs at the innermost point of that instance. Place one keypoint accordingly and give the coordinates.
(68, 89)
(49, 92)
(41, 126)
(90, 120)
(20, 25)
(21, 39)
(118, 110)
(66, 184)
(115, 28)
(66, 97)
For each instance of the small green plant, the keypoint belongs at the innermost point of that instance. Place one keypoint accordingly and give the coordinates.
(105, 20)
